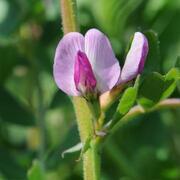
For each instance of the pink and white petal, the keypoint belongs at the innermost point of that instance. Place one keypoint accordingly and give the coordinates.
(135, 59)
(64, 60)
(103, 61)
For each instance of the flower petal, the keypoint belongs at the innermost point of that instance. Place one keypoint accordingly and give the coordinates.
(103, 61)
(64, 61)
(83, 75)
(135, 59)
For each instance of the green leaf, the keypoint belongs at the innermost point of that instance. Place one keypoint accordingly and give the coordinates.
(156, 87)
(85, 147)
(174, 73)
(73, 149)
(36, 171)
(170, 82)
(177, 64)
(126, 102)
(128, 98)
(153, 62)
(151, 90)
(12, 111)
(80, 146)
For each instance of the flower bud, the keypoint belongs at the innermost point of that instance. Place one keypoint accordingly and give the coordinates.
(84, 78)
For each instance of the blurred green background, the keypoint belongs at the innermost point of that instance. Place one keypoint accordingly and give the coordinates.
(37, 120)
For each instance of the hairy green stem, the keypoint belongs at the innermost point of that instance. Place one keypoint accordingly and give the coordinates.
(91, 162)
(91, 159)
(69, 16)
(84, 118)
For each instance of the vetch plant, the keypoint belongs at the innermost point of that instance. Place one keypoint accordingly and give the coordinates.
(85, 67)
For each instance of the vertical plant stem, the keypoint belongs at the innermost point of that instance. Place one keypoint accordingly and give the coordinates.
(91, 159)
(91, 162)
(84, 118)
(69, 16)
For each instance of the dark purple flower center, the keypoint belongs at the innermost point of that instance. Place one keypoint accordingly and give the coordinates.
(84, 78)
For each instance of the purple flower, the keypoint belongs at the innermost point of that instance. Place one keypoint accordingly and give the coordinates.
(84, 78)
(86, 65)
(135, 59)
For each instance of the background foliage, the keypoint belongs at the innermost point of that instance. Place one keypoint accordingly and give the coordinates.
(37, 121)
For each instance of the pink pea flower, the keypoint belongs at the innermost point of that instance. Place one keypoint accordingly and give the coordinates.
(135, 59)
(86, 65)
